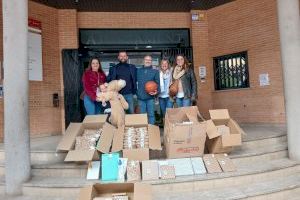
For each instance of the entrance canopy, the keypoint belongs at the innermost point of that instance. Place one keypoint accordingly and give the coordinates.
(134, 5)
(134, 38)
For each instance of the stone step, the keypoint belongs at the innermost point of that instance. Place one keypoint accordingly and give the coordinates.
(279, 189)
(64, 186)
(265, 142)
(43, 149)
(262, 131)
(287, 187)
(2, 197)
(241, 156)
(38, 157)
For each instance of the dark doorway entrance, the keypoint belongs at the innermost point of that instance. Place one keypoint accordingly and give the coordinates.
(163, 43)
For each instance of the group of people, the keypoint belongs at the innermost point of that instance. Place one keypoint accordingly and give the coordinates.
(181, 73)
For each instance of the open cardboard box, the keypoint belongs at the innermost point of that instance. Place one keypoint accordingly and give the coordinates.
(184, 139)
(135, 191)
(67, 143)
(114, 137)
(218, 143)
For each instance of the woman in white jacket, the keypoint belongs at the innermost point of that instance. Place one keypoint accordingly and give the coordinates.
(165, 74)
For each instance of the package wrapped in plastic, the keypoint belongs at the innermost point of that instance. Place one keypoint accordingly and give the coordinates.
(133, 170)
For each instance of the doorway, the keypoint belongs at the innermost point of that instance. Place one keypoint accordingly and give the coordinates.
(159, 43)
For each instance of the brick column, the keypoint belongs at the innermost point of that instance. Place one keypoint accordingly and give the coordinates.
(16, 118)
(289, 27)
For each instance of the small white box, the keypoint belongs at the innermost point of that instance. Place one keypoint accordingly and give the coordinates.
(122, 168)
(93, 170)
(183, 166)
(198, 165)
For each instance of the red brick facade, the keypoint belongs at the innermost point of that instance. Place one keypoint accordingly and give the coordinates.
(250, 26)
(238, 26)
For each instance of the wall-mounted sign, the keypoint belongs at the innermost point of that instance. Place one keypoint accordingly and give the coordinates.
(202, 73)
(201, 16)
(264, 80)
(195, 17)
(35, 64)
(198, 17)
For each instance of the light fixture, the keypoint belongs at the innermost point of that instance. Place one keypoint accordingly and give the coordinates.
(148, 47)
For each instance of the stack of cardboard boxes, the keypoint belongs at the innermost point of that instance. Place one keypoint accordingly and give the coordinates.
(185, 136)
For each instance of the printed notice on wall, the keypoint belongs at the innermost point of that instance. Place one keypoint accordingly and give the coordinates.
(35, 64)
(264, 80)
(202, 73)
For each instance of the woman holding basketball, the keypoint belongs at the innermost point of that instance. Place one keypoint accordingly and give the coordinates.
(147, 88)
(185, 81)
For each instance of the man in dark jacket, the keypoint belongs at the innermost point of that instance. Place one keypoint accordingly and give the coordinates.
(127, 72)
(145, 100)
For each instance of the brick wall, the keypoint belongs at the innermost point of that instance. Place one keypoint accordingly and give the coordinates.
(201, 58)
(68, 39)
(44, 118)
(252, 26)
(133, 20)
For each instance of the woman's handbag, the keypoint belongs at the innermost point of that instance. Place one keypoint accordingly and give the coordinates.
(173, 88)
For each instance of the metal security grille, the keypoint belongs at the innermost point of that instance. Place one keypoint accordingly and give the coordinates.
(171, 53)
(231, 71)
(72, 85)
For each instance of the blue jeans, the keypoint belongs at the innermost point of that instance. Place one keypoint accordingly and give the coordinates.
(129, 99)
(91, 107)
(165, 103)
(147, 106)
(182, 102)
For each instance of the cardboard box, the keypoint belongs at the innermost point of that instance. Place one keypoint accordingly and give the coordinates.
(211, 163)
(122, 169)
(93, 172)
(215, 146)
(133, 171)
(115, 137)
(167, 172)
(67, 143)
(184, 134)
(226, 163)
(223, 129)
(135, 191)
(198, 165)
(138, 120)
(150, 170)
(222, 140)
(105, 142)
(183, 166)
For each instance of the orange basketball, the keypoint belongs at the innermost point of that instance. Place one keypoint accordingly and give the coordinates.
(150, 86)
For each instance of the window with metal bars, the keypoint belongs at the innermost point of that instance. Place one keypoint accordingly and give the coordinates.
(231, 71)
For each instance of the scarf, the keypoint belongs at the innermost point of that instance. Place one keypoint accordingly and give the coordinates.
(178, 72)
(164, 76)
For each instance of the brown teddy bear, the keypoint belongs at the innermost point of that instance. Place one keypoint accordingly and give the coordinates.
(116, 100)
